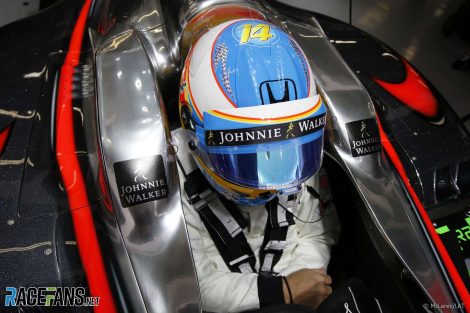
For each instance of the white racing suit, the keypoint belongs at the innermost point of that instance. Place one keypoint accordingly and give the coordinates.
(308, 246)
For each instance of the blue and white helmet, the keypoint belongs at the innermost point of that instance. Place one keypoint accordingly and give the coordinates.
(249, 98)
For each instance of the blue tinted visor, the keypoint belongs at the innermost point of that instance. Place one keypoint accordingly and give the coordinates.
(274, 149)
(273, 166)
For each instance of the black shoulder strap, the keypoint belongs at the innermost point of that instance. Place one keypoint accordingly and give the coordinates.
(274, 243)
(224, 225)
(228, 236)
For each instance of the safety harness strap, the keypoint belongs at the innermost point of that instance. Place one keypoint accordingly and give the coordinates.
(195, 184)
(275, 235)
(228, 237)
(225, 225)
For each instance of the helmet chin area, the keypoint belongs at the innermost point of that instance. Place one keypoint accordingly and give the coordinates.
(289, 199)
(233, 192)
(289, 196)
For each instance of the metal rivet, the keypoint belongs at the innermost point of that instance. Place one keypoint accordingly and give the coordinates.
(11, 222)
(47, 251)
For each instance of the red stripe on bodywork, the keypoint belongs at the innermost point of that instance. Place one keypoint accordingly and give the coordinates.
(445, 257)
(3, 138)
(72, 176)
(413, 91)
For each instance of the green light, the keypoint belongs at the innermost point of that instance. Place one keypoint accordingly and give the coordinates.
(442, 230)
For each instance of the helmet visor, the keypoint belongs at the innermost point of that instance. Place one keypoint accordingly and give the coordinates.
(264, 147)
(275, 167)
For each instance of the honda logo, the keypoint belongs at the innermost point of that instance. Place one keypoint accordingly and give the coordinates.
(273, 91)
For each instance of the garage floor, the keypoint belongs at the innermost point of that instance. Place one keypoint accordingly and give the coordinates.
(412, 27)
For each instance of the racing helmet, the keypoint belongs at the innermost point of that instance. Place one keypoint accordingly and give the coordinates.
(253, 117)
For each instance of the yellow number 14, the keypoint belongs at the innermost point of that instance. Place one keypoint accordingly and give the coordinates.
(260, 31)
